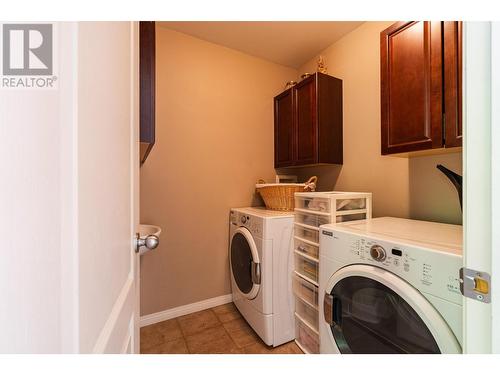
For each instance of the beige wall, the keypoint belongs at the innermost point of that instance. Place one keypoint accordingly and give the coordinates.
(432, 195)
(401, 187)
(214, 140)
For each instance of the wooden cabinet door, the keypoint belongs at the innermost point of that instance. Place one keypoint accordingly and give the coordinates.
(284, 132)
(147, 74)
(452, 36)
(306, 122)
(411, 87)
(330, 118)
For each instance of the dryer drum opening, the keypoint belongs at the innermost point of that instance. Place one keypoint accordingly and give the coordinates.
(241, 263)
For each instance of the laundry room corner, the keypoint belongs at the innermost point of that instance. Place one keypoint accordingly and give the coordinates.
(203, 163)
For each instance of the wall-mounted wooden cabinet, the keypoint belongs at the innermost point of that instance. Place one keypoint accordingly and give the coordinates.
(308, 123)
(421, 95)
(147, 76)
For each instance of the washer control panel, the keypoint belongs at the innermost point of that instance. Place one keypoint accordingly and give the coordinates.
(252, 223)
(432, 271)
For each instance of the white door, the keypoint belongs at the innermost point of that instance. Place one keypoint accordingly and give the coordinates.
(69, 202)
(481, 180)
(107, 183)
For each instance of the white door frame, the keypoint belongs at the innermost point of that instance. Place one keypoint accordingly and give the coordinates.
(495, 182)
(481, 179)
(135, 192)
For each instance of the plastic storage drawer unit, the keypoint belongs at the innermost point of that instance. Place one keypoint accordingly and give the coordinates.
(313, 209)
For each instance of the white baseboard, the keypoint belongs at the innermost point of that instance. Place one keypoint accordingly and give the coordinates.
(161, 316)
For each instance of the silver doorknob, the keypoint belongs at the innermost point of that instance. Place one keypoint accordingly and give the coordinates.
(150, 242)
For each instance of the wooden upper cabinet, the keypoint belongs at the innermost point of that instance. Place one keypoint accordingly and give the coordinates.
(420, 80)
(284, 133)
(308, 123)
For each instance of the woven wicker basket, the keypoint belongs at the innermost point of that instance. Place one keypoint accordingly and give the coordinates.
(281, 197)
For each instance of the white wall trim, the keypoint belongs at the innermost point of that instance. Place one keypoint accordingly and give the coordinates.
(106, 332)
(161, 316)
(126, 347)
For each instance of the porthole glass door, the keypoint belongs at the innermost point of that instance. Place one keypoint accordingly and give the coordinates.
(244, 258)
(370, 318)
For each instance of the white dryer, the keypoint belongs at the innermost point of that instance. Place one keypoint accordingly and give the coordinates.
(261, 262)
(390, 285)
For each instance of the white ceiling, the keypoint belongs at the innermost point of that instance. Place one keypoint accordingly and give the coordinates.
(286, 43)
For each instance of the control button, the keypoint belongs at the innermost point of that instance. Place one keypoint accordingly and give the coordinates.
(396, 262)
(378, 253)
(243, 219)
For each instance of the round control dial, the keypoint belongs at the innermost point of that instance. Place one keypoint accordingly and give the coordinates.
(243, 219)
(378, 253)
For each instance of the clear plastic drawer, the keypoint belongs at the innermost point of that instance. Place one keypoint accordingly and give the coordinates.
(307, 234)
(307, 313)
(305, 290)
(311, 219)
(313, 204)
(307, 249)
(306, 268)
(351, 217)
(350, 204)
(306, 337)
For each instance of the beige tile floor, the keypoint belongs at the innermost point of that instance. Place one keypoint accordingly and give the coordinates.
(220, 330)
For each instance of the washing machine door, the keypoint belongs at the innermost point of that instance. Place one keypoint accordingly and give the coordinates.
(245, 263)
(369, 310)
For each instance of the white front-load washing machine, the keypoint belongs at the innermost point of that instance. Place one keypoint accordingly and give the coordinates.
(261, 262)
(390, 285)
